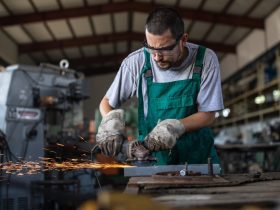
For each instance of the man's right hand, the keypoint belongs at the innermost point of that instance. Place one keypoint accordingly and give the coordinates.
(111, 133)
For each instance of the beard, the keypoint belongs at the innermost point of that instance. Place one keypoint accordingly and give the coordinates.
(164, 64)
(167, 64)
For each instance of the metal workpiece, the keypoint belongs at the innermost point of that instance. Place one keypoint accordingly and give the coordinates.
(184, 172)
(151, 170)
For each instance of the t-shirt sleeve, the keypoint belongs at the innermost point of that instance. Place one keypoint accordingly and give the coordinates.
(210, 96)
(123, 86)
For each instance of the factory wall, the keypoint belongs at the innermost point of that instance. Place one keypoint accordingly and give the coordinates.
(257, 42)
(8, 49)
(97, 85)
(272, 26)
(9, 52)
(228, 65)
(247, 50)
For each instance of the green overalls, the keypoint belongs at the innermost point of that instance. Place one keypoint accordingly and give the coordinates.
(175, 100)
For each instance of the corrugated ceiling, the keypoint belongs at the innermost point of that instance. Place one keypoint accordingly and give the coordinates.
(94, 35)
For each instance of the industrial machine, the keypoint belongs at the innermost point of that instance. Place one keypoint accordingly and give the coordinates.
(40, 108)
(34, 105)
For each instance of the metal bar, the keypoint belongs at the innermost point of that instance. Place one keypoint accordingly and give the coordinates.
(150, 170)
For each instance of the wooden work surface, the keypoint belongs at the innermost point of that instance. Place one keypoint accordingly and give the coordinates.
(238, 190)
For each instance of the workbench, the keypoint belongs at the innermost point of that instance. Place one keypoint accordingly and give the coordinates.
(260, 191)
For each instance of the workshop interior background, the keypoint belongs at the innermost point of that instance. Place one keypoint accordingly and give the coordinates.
(59, 57)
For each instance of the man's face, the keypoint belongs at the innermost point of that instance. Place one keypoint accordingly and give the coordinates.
(166, 50)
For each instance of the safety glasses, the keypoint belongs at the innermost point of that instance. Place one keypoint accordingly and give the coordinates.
(163, 50)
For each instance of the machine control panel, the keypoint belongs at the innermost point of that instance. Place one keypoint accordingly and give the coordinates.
(19, 113)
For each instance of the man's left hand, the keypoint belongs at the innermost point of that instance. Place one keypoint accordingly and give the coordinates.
(164, 135)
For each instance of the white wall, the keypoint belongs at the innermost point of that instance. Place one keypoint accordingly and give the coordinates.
(272, 26)
(256, 43)
(251, 47)
(98, 86)
(228, 65)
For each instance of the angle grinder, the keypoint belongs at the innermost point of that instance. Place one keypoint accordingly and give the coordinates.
(131, 152)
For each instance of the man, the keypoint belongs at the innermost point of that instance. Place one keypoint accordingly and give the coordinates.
(178, 88)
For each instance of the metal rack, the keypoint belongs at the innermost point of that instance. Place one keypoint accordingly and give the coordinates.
(242, 89)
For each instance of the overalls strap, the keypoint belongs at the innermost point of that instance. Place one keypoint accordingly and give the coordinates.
(147, 71)
(198, 66)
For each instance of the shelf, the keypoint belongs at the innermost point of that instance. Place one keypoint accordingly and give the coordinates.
(252, 92)
(246, 84)
(247, 116)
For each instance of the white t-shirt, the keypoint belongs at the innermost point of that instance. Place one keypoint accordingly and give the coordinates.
(125, 84)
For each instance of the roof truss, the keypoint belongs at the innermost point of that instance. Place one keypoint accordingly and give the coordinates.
(237, 21)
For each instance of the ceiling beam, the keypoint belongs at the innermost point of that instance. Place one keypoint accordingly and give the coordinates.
(107, 38)
(82, 41)
(115, 58)
(100, 70)
(234, 20)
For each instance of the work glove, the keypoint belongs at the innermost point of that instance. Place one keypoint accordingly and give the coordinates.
(135, 150)
(111, 133)
(164, 135)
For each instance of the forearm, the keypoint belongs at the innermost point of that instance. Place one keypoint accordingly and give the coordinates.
(104, 106)
(198, 120)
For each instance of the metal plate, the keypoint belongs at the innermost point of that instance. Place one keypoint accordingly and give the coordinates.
(151, 170)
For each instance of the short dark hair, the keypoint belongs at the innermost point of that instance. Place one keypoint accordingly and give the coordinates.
(164, 18)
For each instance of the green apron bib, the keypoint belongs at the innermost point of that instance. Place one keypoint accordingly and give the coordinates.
(175, 100)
